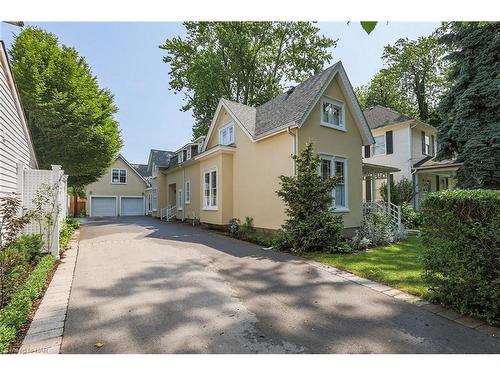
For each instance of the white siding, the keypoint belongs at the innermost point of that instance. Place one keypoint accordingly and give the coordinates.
(14, 142)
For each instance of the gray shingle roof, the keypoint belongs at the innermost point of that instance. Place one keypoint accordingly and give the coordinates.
(141, 168)
(160, 158)
(379, 116)
(288, 108)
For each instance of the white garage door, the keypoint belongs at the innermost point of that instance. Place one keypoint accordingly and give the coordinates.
(102, 206)
(132, 206)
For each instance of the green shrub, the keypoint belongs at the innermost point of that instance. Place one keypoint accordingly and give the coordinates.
(247, 227)
(402, 191)
(65, 234)
(15, 314)
(461, 237)
(377, 229)
(311, 223)
(75, 223)
(410, 218)
(15, 263)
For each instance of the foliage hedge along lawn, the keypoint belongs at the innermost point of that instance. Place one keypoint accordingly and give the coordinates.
(15, 314)
(461, 237)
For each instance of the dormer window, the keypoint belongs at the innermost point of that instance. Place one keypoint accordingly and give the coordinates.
(155, 170)
(332, 113)
(226, 135)
(180, 157)
(188, 153)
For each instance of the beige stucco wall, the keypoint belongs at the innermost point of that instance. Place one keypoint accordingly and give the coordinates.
(135, 185)
(256, 167)
(346, 144)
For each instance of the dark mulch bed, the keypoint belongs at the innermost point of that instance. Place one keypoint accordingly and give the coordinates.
(16, 345)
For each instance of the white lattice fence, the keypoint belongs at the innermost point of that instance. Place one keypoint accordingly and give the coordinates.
(34, 180)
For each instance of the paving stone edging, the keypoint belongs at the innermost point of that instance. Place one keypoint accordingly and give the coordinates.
(44, 335)
(464, 320)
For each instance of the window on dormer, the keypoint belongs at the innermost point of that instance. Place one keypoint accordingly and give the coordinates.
(180, 157)
(188, 153)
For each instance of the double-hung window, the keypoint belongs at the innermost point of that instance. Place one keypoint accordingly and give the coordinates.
(154, 199)
(332, 113)
(335, 166)
(210, 189)
(226, 135)
(179, 200)
(379, 145)
(427, 145)
(188, 192)
(118, 176)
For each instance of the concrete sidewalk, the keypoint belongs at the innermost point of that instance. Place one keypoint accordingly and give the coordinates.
(46, 329)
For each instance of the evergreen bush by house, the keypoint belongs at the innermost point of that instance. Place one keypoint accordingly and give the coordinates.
(311, 224)
(461, 237)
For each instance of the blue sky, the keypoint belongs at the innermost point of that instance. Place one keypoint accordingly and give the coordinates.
(126, 59)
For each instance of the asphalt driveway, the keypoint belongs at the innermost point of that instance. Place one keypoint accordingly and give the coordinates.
(143, 286)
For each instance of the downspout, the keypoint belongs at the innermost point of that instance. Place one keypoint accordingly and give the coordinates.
(294, 149)
(412, 171)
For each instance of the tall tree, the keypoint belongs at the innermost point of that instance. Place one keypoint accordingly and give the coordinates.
(421, 71)
(248, 62)
(385, 89)
(470, 111)
(69, 115)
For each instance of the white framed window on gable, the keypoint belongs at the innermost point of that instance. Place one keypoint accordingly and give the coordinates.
(210, 189)
(336, 166)
(118, 176)
(188, 192)
(332, 113)
(226, 135)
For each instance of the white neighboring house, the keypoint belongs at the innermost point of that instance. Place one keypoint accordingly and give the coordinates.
(409, 145)
(18, 163)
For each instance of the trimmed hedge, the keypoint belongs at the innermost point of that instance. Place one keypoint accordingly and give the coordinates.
(461, 237)
(15, 314)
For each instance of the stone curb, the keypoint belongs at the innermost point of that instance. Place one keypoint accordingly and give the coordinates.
(45, 333)
(464, 320)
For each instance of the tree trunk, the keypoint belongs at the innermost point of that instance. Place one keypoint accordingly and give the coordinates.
(75, 202)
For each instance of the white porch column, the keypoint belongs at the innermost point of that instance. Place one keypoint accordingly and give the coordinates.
(373, 188)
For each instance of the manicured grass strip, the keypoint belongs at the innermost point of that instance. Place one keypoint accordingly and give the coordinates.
(397, 265)
(15, 314)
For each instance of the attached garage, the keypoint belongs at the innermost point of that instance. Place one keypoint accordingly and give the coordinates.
(103, 206)
(131, 206)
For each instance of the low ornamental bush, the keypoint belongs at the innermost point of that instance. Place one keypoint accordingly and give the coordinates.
(461, 237)
(15, 314)
(65, 234)
(16, 261)
(377, 229)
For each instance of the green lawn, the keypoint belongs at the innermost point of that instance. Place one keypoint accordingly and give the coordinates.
(397, 265)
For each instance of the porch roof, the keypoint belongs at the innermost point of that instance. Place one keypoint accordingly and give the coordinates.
(435, 165)
(369, 168)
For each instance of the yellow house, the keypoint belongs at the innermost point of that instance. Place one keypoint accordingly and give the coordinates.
(233, 171)
(118, 192)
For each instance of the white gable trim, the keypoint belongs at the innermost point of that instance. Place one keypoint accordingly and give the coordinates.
(17, 100)
(214, 121)
(351, 101)
(120, 156)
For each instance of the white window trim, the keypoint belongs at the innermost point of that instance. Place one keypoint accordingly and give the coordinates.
(179, 195)
(430, 145)
(155, 171)
(337, 103)
(188, 153)
(333, 159)
(119, 183)
(231, 141)
(205, 207)
(181, 156)
(153, 193)
(372, 148)
(187, 193)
